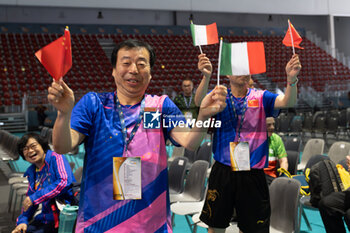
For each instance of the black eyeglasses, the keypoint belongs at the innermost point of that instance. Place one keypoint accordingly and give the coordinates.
(31, 146)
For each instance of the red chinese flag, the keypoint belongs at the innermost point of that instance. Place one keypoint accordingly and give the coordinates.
(56, 57)
(287, 41)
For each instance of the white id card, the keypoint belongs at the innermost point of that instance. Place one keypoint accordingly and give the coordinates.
(127, 178)
(240, 156)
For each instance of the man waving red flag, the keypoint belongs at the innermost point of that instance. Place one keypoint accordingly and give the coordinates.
(56, 57)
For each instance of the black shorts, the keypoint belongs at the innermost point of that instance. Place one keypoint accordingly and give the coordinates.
(245, 191)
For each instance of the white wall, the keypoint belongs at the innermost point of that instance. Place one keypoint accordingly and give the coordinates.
(342, 34)
(316, 23)
(107, 4)
(313, 7)
(339, 7)
(296, 7)
(14, 14)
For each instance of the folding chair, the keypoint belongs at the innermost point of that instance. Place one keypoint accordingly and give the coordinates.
(187, 209)
(296, 125)
(204, 152)
(293, 159)
(191, 200)
(177, 151)
(22, 193)
(284, 199)
(194, 184)
(313, 146)
(176, 175)
(292, 143)
(338, 151)
(191, 156)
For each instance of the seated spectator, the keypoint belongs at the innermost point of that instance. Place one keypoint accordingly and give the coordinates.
(277, 152)
(185, 101)
(49, 177)
(334, 207)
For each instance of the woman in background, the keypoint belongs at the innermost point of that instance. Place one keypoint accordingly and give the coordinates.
(49, 177)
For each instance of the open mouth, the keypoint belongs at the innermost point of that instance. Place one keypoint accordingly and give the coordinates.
(132, 81)
(33, 156)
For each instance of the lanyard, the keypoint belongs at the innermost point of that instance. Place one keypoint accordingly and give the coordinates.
(189, 102)
(122, 122)
(235, 112)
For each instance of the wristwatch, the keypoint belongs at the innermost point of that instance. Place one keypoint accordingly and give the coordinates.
(294, 83)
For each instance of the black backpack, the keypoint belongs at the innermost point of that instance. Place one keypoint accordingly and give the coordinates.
(324, 179)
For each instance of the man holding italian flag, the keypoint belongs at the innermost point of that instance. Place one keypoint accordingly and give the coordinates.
(240, 146)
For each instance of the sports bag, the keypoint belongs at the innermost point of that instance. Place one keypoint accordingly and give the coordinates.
(304, 188)
(344, 176)
(304, 177)
(323, 180)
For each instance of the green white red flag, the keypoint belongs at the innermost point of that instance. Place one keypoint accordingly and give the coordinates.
(204, 34)
(244, 58)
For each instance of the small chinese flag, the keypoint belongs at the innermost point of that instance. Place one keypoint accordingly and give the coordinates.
(56, 57)
(292, 37)
(253, 103)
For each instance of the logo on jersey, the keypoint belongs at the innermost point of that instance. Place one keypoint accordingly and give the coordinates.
(253, 103)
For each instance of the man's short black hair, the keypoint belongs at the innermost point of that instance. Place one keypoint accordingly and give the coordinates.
(24, 140)
(187, 79)
(132, 43)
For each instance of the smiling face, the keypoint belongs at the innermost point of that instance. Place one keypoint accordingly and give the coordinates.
(132, 73)
(34, 153)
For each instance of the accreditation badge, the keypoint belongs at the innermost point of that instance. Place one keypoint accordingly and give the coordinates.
(127, 178)
(240, 156)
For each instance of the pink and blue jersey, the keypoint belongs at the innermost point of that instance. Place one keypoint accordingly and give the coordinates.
(96, 116)
(260, 104)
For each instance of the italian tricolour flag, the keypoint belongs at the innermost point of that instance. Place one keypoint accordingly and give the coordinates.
(204, 34)
(244, 58)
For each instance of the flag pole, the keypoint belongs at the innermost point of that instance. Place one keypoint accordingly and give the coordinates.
(64, 38)
(200, 49)
(219, 62)
(291, 36)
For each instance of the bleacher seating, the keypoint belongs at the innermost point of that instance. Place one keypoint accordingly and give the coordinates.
(21, 72)
(327, 125)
